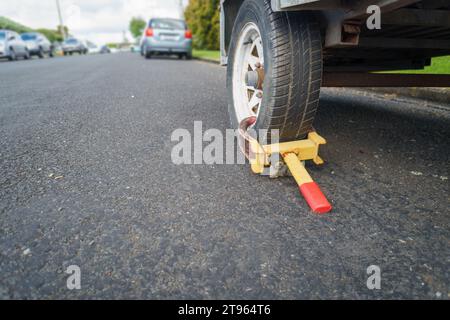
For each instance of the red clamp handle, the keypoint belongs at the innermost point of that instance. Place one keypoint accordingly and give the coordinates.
(315, 198)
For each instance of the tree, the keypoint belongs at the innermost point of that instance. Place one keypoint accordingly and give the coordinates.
(202, 17)
(63, 30)
(6, 23)
(137, 26)
(52, 35)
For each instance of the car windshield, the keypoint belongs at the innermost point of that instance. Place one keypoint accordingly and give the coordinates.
(167, 24)
(28, 36)
(71, 41)
(2, 36)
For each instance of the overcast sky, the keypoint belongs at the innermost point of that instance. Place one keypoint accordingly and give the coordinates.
(100, 21)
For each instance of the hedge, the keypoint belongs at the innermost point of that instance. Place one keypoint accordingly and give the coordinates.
(203, 18)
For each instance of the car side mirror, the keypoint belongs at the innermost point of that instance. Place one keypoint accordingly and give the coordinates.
(11, 38)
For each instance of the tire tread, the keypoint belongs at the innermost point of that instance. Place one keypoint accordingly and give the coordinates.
(297, 73)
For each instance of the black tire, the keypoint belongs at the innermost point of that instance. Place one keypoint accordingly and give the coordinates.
(41, 53)
(12, 55)
(148, 55)
(189, 56)
(293, 68)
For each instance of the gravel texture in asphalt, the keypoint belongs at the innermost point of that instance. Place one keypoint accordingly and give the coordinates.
(86, 179)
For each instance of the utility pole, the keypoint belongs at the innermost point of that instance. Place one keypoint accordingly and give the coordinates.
(61, 23)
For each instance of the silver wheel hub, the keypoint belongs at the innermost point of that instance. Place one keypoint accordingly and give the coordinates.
(248, 73)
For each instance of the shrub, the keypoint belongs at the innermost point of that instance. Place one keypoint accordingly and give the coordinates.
(202, 17)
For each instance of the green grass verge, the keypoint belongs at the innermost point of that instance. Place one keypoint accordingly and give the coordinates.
(440, 65)
(207, 54)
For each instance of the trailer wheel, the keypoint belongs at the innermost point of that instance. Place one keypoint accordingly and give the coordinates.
(274, 69)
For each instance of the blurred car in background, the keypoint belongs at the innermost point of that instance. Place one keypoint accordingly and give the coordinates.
(105, 49)
(135, 49)
(12, 46)
(124, 48)
(166, 36)
(73, 45)
(92, 47)
(37, 44)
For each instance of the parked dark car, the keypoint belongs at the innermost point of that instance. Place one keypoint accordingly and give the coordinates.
(73, 45)
(105, 49)
(37, 44)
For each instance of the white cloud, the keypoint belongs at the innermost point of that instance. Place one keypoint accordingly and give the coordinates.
(100, 21)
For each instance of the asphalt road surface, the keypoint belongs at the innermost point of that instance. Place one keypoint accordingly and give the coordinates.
(86, 179)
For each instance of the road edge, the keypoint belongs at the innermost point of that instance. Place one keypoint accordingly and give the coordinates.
(212, 61)
(438, 95)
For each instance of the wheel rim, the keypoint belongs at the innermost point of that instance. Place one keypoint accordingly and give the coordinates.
(248, 64)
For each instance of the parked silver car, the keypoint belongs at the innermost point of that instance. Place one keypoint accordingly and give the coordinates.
(72, 45)
(37, 44)
(12, 46)
(166, 36)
